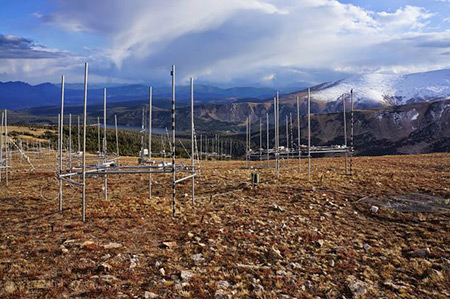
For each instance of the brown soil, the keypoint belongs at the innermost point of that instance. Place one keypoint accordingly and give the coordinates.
(278, 239)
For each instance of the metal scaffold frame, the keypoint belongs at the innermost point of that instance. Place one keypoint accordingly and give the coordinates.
(291, 150)
(107, 167)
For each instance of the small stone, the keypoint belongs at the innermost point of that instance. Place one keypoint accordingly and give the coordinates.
(220, 294)
(332, 263)
(105, 267)
(88, 245)
(10, 287)
(41, 284)
(320, 243)
(223, 284)
(186, 275)
(150, 295)
(367, 247)
(198, 258)
(169, 244)
(357, 287)
(63, 249)
(374, 209)
(112, 245)
(275, 253)
(162, 271)
(420, 252)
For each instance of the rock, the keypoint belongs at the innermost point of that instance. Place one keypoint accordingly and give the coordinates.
(186, 275)
(104, 267)
(332, 263)
(320, 243)
(357, 287)
(112, 245)
(89, 245)
(134, 261)
(150, 295)
(223, 284)
(10, 287)
(168, 244)
(108, 278)
(221, 294)
(277, 208)
(275, 253)
(162, 271)
(374, 209)
(63, 249)
(198, 258)
(424, 252)
(258, 290)
(41, 284)
(367, 247)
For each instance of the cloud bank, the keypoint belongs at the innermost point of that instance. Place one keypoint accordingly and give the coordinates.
(245, 42)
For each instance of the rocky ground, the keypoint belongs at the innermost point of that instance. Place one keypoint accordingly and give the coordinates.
(280, 239)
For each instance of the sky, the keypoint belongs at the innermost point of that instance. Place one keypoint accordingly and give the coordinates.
(273, 43)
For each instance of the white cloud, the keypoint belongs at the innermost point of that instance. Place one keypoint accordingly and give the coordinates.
(243, 41)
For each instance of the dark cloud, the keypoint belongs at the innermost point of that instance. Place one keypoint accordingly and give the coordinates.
(17, 47)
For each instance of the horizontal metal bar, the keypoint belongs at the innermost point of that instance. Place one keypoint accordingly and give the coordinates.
(71, 181)
(185, 178)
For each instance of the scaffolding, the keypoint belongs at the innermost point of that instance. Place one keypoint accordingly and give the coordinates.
(292, 149)
(107, 167)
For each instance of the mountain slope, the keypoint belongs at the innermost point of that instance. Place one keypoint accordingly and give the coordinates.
(385, 90)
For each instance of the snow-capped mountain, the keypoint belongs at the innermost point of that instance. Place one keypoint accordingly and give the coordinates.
(375, 89)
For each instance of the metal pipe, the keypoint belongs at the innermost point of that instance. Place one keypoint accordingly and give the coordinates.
(287, 136)
(61, 139)
(70, 141)
(260, 139)
(267, 141)
(298, 137)
(117, 134)
(351, 133)
(79, 134)
(98, 136)
(345, 130)
(174, 177)
(192, 139)
(105, 145)
(277, 153)
(83, 199)
(6, 148)
(309, 134)
(185, 178)
(1, 145)
(150, 138)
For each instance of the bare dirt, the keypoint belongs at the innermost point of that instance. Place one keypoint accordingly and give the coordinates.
(280, 239)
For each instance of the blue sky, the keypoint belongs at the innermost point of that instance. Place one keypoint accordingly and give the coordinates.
(272, 43)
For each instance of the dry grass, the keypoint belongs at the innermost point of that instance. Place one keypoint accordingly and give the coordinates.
(289, 237)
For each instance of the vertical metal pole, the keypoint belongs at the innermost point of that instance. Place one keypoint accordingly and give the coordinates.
(117, 134)
(105, 145)
(260, 140)
(351, 133)
(173, 143)
(246, 143)
(291, 135)
(278, 136)
(1, 145)
(287, 136)
(275, 130)
(192, 140)
(98, 136)
(267, 139)
(150, 139)
(70, 141)
(345, 130)
(201, 147)
(61, 139)
(6, 147)
(79, 134)
(309, 134)
(298, 137)
(83, 167)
